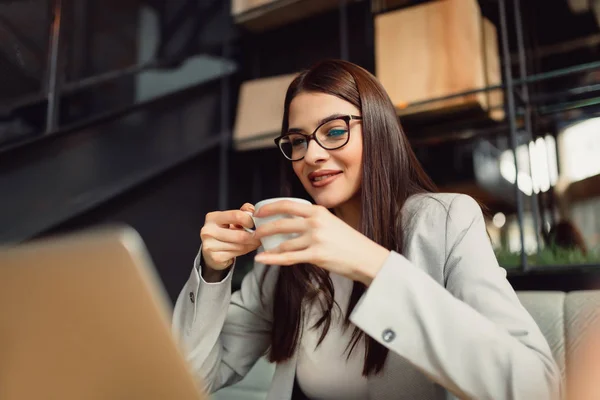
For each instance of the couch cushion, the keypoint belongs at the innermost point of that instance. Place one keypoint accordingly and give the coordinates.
(582, 311)
(548, 311)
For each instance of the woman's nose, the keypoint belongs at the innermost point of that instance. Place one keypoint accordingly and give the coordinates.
(315, 153)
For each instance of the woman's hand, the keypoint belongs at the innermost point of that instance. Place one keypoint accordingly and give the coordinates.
(325, 241)
(224, 238)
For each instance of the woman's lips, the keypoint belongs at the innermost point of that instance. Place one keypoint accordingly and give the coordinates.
(324, 180)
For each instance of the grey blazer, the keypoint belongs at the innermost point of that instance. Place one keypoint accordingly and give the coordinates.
(451, 320)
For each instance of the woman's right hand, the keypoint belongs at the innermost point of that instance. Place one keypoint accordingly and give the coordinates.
(224, 238)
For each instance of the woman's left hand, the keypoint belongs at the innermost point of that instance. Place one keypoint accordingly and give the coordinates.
(324, 240)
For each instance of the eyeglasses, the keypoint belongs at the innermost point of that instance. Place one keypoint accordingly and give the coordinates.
(330, 135)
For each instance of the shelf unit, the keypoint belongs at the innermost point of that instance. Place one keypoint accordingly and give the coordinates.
(546, 105)
(522, 103)
(50, 99)
(524, 106)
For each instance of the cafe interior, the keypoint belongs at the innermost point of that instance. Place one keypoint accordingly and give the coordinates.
(153, 113)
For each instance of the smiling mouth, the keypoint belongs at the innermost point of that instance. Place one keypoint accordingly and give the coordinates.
(323, 177)
(324, 180)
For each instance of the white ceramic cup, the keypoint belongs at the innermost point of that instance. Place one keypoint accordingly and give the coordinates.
(273, 241)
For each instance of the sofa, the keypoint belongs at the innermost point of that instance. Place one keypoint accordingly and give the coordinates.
(566, 320)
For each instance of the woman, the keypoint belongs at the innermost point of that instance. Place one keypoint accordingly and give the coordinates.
(389, 292)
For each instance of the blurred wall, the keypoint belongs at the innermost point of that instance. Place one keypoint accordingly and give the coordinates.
(168, 212)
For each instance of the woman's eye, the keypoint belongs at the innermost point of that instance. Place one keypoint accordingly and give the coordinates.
(298, 142)
(336, 132)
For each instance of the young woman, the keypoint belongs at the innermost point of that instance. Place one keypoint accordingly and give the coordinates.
(391, 291)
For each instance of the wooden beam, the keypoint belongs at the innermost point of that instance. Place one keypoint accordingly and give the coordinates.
(595, 5)
(584, 189)
(579, 6)
(261, 15)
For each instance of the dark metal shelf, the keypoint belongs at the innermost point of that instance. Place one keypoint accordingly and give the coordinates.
(85, 83)
(106, 116)
(517, 83)
(78, 172)
(423, 129)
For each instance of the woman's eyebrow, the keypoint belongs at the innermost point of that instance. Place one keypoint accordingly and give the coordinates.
(320, 122)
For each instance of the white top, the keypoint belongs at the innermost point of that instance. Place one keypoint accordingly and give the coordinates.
(325, 372)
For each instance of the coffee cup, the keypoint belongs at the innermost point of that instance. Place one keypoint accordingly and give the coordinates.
(273, 241)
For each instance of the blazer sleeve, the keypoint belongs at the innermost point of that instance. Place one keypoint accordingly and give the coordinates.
(223, 334)
(472, 336)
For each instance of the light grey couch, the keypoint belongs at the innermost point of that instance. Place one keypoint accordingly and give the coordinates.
(563, 318)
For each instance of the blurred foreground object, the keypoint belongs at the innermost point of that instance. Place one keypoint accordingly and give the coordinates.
(86, 317)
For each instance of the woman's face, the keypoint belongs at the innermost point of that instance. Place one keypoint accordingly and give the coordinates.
(331, 177)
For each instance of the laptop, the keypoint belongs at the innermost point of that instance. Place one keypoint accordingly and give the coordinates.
(85, 317)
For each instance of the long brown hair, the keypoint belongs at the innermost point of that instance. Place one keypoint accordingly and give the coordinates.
(391, 173)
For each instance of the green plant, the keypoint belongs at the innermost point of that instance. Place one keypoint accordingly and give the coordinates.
(549, 256)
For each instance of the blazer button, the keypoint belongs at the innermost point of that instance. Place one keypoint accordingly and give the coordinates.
(388, 335)
(192, 297)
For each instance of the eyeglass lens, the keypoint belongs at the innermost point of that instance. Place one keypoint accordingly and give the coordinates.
(331, 135)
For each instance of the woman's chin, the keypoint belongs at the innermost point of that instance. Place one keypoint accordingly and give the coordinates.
(327, 201)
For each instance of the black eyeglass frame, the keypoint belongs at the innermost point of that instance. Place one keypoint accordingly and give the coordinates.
(346, 118)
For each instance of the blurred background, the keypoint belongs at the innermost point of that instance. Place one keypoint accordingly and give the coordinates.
(155, 112)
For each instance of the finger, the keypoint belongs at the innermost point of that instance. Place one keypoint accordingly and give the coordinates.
(231, 217)
(296, 244)
(284, 259)
(226, 235)
(247, 207)
(215, 246)
(283, 225)
(286, 207)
